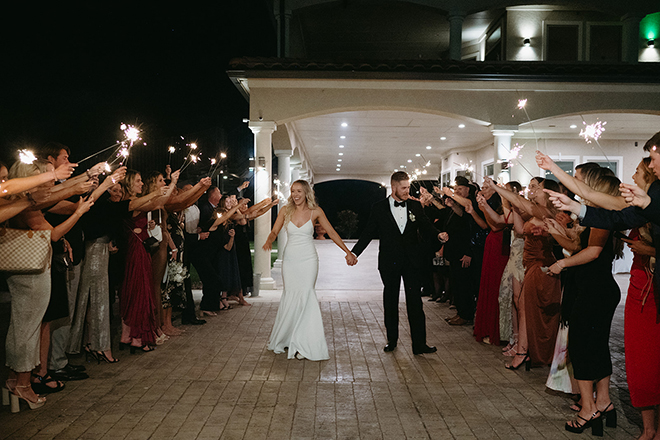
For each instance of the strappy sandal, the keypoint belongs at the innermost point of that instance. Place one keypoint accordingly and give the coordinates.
(40, 386)
(595, 423)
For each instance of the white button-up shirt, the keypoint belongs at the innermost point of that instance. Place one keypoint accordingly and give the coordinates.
(400, 214)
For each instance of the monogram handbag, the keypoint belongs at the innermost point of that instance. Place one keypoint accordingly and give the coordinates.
(24, 251)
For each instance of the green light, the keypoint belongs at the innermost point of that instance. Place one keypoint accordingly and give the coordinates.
(651, 36)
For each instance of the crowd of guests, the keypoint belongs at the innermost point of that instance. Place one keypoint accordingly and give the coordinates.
(113, 235)
(533, 268)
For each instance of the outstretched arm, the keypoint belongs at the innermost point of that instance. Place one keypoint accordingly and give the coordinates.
(277, 227)
(20, 184)
(323, 221)
(603, 200)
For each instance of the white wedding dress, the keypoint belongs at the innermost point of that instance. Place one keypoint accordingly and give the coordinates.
(298, 324)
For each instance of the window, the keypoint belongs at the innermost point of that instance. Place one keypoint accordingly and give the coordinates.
(566, 163)
(605, 41)
(446, 178)
(488, 169)
(562, 42)
(615, 163)
(494, 45)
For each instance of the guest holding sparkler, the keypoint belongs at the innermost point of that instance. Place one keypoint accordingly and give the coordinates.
(30, 301)
(139, 325)
(538, 320)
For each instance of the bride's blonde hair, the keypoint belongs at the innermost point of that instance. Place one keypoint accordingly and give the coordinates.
(290, 206)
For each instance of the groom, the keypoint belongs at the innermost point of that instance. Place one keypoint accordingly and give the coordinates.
(402, 228)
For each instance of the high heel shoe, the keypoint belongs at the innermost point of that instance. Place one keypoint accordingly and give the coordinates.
(160, 340)
(526, 360)
(609, 415)
(10, 384)
(595, 422)
(15, 397)
(90, 353)
(100, 356)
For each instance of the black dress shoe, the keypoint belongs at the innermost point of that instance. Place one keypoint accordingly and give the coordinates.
(75, 367)
(68, 373)
(425, 349)
(389, 347)
(192, 321)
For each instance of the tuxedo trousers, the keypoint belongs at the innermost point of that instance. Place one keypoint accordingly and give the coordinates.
(391, 277)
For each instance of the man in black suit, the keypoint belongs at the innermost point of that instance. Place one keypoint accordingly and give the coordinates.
(402, 228)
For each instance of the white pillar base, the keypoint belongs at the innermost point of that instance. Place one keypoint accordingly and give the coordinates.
(278, 263)
(267, 284)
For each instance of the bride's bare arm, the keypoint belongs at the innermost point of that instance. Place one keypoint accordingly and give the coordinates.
(277, 227)
(320, 217)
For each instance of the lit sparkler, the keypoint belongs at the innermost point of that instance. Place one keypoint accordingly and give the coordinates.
(27, 156)
(514, 154)
(593, 132)
(522, 105)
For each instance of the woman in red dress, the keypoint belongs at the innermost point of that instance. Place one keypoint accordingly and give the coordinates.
(487, 318)
(138, 308)
(641, 326)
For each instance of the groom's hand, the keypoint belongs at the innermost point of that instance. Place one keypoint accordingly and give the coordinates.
(443, 237)
(351, 259)
(465, 261)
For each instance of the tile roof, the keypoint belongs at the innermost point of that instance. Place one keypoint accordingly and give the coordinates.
(446, 70)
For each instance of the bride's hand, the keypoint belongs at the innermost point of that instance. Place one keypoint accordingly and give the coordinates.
(351, 259)
(267, 246)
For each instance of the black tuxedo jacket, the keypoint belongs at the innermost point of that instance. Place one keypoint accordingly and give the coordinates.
(396, 248)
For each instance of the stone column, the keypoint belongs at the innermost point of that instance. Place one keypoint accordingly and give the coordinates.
(284, 176)
(283, 19)
(295, 172)
(263, 132)
(502, 135)
(455, 34)
(630, 48)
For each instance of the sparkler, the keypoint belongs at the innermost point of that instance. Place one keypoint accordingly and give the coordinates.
(27, 156)
(215, 164)
(514, 154)
(189, 157)
(522, 105)
(593, 132)
(171, 150)
(467, 167)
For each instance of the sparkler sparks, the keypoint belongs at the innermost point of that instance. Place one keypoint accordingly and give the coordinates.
(593, 131)
(212, 161)
(522, 103)
(26, 156)
(107, 167)
(171, 150)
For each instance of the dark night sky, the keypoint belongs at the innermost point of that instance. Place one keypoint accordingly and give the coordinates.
(73, 74)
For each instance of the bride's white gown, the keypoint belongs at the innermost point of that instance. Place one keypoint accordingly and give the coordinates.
(298, 324)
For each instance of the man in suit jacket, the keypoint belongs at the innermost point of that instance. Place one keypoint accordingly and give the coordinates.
(401, 226)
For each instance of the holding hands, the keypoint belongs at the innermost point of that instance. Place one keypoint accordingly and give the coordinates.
(351, 259)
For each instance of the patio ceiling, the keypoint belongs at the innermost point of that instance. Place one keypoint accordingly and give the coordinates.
(377, 142)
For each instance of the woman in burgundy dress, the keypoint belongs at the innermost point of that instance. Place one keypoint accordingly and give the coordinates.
(138, 308)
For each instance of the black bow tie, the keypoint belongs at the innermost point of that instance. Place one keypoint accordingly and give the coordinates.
(397, 204)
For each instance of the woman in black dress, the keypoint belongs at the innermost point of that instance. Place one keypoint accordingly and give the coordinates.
(596, 296)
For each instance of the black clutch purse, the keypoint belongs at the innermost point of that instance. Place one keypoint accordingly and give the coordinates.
(151, 244)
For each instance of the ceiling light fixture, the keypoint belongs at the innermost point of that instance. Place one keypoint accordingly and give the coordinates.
(651, 43)
(339, 160)
(417, 155)
(573, 126)
(341, 146)
(342, 137)
(344, 124)
(527, 42)
(409, 160)
(443, 138)
(461, 126)
(341, 154)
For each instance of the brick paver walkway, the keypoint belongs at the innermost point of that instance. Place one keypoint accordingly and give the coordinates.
(218, 381)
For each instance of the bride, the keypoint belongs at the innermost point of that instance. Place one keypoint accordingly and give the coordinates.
(298, 324)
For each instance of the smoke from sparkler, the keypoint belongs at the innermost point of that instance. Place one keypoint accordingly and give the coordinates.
(26, 156)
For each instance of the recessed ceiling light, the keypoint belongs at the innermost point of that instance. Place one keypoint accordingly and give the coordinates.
(417, 155)
(409, 160)
(338, 160)
(402, 166)
(344, 124)
(341, 146)
(341, 154)
(461, 125)
(342, 137)
(443, 138)
(396, 170)
(573, 126)
(338, 169)
(338, 165)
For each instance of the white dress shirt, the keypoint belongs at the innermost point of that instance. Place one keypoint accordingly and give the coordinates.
(191, 219)
(400, 214)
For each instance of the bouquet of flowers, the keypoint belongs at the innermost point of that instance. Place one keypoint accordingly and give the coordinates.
(176, 274)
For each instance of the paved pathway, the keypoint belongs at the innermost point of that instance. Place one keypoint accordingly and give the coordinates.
(218, 381)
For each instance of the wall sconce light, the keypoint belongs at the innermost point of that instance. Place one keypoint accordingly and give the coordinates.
(651, 42)
(251, 164)
(262, 163)
(527, 42)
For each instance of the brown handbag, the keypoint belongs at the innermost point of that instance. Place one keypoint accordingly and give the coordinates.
(24, 251)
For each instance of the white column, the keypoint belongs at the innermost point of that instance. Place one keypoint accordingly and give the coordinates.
(630, 48)
(263, 151)
(284, 176)
(455, 34)
(502, 142)
(295, 172)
